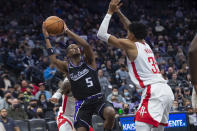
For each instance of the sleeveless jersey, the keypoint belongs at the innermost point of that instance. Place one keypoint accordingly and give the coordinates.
(144, 70)
(84, 80)
(68, 106)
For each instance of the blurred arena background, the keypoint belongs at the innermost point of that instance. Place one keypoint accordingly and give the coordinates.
(27, 79)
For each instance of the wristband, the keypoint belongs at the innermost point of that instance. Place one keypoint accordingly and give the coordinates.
(50, 51)
(47, 37)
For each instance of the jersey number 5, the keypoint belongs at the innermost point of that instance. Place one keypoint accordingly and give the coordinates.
(155, 68)
(89, 82)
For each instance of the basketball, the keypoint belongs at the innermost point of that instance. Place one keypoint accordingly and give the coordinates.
(54, 25)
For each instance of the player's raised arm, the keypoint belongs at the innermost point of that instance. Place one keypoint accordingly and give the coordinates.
(102, 34)
(193, 61)
(89, 54)
(124, 20)
(61, 65)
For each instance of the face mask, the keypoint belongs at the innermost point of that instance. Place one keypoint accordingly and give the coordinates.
(126, 93)
(115, 93)
(126, 110)
(139, 91)
(34, 105)
(4, 117)
(40, 114)
(16, 106)
(8, 97)
(174, 107)
(21, 98)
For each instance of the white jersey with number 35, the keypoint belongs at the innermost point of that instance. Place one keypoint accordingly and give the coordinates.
(144, 70)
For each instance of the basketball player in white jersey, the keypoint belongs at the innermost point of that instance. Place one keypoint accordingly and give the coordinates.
(157, 96)
(65, 118)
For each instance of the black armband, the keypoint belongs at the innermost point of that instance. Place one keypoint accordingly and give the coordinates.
(48, 37)
(50, 51)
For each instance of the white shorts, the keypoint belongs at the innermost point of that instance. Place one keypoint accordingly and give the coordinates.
(65, 123)
(155, 105)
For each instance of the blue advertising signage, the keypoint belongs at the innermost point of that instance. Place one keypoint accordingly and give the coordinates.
(175, 121)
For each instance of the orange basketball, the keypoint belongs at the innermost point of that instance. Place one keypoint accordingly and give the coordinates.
(54, 25)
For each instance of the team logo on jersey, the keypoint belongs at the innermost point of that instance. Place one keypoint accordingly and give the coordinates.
(79, 74)
(142, 111)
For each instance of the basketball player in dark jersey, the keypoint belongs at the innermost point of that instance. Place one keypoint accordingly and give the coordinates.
(193, 69)
(85, 87)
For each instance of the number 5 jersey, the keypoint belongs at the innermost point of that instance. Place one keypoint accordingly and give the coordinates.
(84, 80)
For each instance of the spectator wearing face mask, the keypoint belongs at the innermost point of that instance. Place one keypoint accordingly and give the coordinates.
(175, 106)
(32, 109)
(16, 112)
(6, 101)
(138, 94)
(40, 113)
(126, 109)
(42, 102)
(126, 95)
(115, 93)
(187, 94)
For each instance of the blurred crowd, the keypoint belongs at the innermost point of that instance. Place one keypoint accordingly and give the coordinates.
(28, 79)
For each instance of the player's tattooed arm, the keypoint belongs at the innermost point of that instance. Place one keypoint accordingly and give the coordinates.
(193, 61)
(61, 65)
(89, 54)
(124, 20)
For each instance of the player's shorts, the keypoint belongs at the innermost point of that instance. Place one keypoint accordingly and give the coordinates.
(65, 123)
(84, 109)
(155, 105)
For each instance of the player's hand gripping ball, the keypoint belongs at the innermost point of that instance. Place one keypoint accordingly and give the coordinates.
(54, 25)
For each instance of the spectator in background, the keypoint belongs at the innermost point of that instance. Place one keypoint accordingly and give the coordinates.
(28, 60)
(12, 90)
(43, 91)
(138, 94)
(103, 81)
(17, 88)
(170, 72)
(174, 82)
(5, 82)
(32, 108)
(116, 95)
(126, 95)
(187, 93)
(28, 94)
(40, 113)
(122, 73)
(5, 102)
(35, 88)
(179, 98)
(8, 123)
(49, 72)
(44, 104)
(24, 85)
(175, 106)
(21, 99)
(126, 109)
(159, 28)
(16, 112)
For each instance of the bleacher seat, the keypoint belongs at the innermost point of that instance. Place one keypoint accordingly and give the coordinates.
(23, 125)
(37, 125)
(98, 123)
(52, 126)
